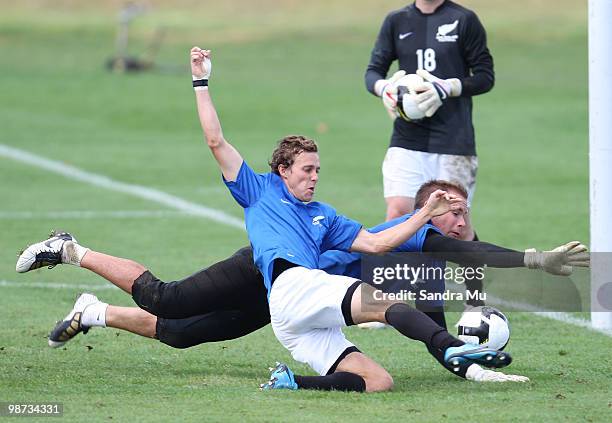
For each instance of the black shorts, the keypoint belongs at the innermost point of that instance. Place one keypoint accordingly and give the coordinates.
(224, 301)
(211, 327)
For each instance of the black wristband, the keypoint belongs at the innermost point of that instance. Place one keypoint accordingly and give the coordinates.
(200, 83)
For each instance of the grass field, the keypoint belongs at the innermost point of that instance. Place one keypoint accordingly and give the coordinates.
(279, 67)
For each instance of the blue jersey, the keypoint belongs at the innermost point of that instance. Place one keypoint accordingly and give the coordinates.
(281, 226)
(349, 264)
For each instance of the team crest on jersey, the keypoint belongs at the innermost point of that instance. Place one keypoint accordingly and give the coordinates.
(317, 220)
(444, 33)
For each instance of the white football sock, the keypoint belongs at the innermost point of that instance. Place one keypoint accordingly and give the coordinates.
(94, 315)
(72, 253)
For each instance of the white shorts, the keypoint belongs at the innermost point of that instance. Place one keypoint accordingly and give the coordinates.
(306, 315)
(404, 171)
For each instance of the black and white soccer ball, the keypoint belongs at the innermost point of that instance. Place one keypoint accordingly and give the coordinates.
(406, 106)
(485, 326)
(405, 103)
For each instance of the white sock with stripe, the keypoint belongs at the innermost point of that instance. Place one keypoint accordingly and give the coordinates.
(94, 315)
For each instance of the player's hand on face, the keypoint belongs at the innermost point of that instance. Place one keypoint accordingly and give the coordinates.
(441, 202)
(201, 65)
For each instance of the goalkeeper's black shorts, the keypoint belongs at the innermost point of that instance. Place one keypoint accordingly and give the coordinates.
(224, 301)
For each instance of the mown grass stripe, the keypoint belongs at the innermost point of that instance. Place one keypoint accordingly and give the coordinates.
(103, 181)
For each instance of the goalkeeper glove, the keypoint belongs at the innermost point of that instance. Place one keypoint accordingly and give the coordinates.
(478, 374)
(559, 261)
(435, 91)
(387, 90)
(201, 68)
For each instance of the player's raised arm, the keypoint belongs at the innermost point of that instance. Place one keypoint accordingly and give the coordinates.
(439, 202)
(226, 155)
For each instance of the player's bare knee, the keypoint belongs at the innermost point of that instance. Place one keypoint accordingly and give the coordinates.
(380, 382)
(387, 382)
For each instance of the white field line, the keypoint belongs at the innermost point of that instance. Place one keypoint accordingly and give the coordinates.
(93, 214)
(538, 311)
(51, 285)
(102, 181)
(554, 315)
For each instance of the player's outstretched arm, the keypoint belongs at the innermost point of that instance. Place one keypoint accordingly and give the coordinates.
(559, 261)
(471, 253)
(439, 202)
(227, 156)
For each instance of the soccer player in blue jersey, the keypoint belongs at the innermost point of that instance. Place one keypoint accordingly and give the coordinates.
(323, 303)
(228, 299)
(288, 233)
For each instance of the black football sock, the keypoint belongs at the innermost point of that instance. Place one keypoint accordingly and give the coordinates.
(417, 325)
(340, 381)
(473, 285)
(473, 290)
(439, 356)
(437, 315)
(412, 323)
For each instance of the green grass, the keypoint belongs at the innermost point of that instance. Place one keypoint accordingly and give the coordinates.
(273, 75)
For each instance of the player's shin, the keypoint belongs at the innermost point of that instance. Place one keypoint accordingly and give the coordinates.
(281, 377)
(341, 381)
(415, 324)
(131, 319)
(474, 289)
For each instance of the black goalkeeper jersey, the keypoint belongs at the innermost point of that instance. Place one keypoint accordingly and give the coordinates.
(449, 43)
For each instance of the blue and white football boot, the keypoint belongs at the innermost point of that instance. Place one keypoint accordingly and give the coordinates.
(281, 377)
(467, 354)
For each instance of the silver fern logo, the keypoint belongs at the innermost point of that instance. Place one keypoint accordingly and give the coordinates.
(317, 220)
(444, 30)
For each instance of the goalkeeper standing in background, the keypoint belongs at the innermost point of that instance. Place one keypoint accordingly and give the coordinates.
(446, 44)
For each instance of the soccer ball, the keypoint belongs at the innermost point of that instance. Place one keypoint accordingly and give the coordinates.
(486, 326)
(406, 106)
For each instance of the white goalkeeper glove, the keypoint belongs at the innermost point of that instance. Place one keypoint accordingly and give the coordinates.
(386, 89)
(478, 374)
(201, 68)
(559, 261)
(435, 91)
